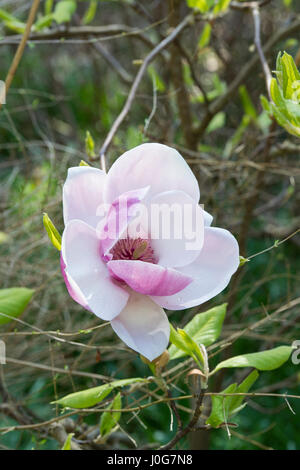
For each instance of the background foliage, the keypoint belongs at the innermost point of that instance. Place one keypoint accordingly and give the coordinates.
(202, 95)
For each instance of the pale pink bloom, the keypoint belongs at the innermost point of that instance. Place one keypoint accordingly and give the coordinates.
(126, 278)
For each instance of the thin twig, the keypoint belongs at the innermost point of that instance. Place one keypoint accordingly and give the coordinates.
(220, 102)
(257, 41)
(183, 432)
(20, 50)
(248, 5)
(136, 84)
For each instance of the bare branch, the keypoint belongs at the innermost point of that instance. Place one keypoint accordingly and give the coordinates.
(136, 84)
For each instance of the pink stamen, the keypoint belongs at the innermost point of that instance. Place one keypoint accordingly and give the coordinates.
(135, 249)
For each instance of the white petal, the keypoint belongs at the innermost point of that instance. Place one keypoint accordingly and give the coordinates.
(143, 326)
(176, 228)
(155, 165)
(83, 194)
(86, 271)
(212, 270)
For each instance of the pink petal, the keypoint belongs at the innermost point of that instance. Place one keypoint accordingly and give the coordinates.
(177, 229)
(211, 271)
(143, 326)
(148, 278)
(155, 165)
(72, 287)
(87, 275)
(121, 212)
(83, 194)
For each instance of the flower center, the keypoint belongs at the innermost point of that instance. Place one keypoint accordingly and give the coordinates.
(135, 249)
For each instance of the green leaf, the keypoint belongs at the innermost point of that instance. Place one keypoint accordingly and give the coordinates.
(12, 22)
(264, 360)
(243, 261)
(109, 419)
(90, 12)
(244, 387)
(64, 10)
(48, 7)
(247, 102)
(204, 328)
(159, 83)
(13, 302)
(202, 5)
(285, 95)
(221, 6)
(225, 407)
(232, 143)
(92, 396)
(217, 122)
(83, 163)
(265, 104)
(182, 340)
(53, 234)
(205, 36)
(67, 444)
(219, 409)
(43, 22)
(89, 145)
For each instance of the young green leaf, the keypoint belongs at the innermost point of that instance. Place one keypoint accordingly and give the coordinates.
(13, 302)
(8, 18)
(64, 10)
(109, 419)
(225, 407)
(221, 6)
(243, 261)
(90, 12)
(202, 5)
(182, 340)
(43, 22)
(48, 7)
(247, 102)
(83, 163)
(89, 145)
(92, 396)
(204, 328)
(264, 360)
(53, 233)
(205, 36)
(219, 410)
(12, 22)
(67, 444)
(285, 95)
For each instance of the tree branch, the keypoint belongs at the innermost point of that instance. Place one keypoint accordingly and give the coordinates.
(136, 84)
(20, 50)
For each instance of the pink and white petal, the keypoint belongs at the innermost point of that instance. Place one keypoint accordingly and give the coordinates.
(120, 213)
(148, 278)
(143, 326)
(153, 164)
(176, 228)
(211, 271)
(86, 273)
(83, 194)
(72, 287)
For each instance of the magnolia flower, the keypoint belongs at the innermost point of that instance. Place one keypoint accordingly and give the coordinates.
(116, 261)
